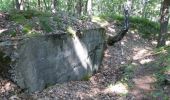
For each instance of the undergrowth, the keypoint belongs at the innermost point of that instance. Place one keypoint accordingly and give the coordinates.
(145, 27)
(163, 66)
(44, 23)
(128, 72)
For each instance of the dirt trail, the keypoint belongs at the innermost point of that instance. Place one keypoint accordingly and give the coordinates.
(142, 58)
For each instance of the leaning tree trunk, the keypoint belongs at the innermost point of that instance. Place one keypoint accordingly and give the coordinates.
(122, 33)
(163, 23)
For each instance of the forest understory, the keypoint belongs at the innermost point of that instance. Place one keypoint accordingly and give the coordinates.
(127, 73)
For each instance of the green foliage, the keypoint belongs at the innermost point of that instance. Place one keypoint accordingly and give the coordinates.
(28, 14)
(58, 20)
(6, 5)
(112, 17)
(17, 18)
(128, 72)
(164, 64)
(32, 34)
(159, 95)
(11, 33)
(83, 17)
(86, 77)
(160, 76)
(27, 28)
(45, 24)
(145, 27)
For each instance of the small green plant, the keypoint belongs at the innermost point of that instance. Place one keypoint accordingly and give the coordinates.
(145, 27)
(159, 95)
(44, 22)
(86, 77)
(33, 34)
(58, 20)
(128, 72)
(27, 28)
(17, 18)
(48, 85)
(163, 66)
(83, 17)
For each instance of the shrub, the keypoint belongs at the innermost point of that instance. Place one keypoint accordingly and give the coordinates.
(44, 22)
(145, 27)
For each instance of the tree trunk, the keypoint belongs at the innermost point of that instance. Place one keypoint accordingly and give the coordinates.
(79, 6)
(163, 23)
(53, 6)
(39, 5)
(89, 8)
(17, 5)
(145, 2)
(22, 5)
(122, 33)
(85, 8)
(45, 5)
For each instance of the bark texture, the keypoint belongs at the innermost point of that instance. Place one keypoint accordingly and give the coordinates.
(163, 23)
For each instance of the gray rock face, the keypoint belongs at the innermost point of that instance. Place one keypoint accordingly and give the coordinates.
(45, 60)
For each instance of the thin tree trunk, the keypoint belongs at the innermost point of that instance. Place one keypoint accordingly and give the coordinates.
(89, 8)
(13, 2)
(122, 33)
(39, 5)
(144, 8)
(54, 6)
(163, 23)
(17, 4)
(79, 7)
(85, 8)
(22, 5)
(45, 4)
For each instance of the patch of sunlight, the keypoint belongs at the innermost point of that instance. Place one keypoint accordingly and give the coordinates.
(144, 82)
(141, 53)
(32, 33)
(161, 50)
(2, 30)
(82, 53)
(118, 88)
(168, 43)
(111, 29)
(134, 64)
(71, 31)
(100, 21)
(154, 42)
(133, 31)
(144, 61)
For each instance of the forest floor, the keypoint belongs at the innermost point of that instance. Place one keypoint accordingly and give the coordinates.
(127, 73)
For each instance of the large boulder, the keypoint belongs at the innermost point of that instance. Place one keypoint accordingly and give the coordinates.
(40, 61)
